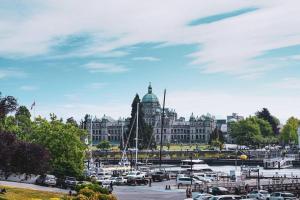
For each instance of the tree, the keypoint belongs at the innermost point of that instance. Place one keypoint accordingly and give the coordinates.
(63, 142)
(246, 132)
(103, 145)
(264, 126)
(274, 122)
(22, 111)
(72, 121)
(7, 104)
(23, 122)
(289, 131)
(216, 135)
(145, 131)
(22, 157)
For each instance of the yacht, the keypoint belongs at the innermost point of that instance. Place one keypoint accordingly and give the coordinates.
(195, 165)
(278, 162)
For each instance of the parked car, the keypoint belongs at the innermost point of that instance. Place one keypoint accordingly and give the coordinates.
(121, 181)
(282, 196)
(259, 194)
(137, 181)
(46, 179)
(160, 176)
(203, 179)
(187, 181)
(202, 196)
(218, 191)
(135, 174)
(70, 182)
(226, 197)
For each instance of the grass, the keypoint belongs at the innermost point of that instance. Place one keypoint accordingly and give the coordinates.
(13, 193)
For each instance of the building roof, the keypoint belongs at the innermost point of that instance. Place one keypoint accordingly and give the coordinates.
(150, 97)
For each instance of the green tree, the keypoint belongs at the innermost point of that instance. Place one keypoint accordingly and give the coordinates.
(104, 145)
(289, 131)
(72, 121)
(246, 132)
(23, 122)
(216, 135)
(145, 131)
(7, 104)
(266, 115)
(264, 126)
(64, 144)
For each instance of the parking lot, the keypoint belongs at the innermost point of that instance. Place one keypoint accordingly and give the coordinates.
(156, 191)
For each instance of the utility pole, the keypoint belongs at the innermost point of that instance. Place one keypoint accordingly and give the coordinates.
(162, 128)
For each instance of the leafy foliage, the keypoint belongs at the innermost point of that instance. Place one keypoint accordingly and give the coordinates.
(63, 142)
(22, 157)
(266, 115)
(7, 104)
(289, 132)
(104, 145)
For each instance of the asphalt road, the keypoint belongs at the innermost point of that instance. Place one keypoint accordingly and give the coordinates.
(32, 187)
(155, 192)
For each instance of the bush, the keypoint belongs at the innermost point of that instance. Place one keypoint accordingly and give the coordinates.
(87, 192)
(91, 186)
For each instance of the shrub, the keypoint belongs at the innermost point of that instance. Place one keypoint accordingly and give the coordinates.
(95, 187)
(87, 192)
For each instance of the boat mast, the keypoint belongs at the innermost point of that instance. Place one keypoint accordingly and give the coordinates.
(162, 128)
(136, 135)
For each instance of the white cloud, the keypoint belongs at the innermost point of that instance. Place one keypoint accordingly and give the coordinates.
(146, 58)
(94, 67)
(29, 88)
(287, 83)
(228, 46)
(11, 73)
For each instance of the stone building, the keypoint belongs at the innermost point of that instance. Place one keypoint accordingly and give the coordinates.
(175, 130)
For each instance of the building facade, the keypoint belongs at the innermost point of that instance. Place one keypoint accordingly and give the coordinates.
(175, 130)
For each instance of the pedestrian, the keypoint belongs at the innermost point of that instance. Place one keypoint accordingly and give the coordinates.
(150, 181)
(111, 186)
(187, 192)
(70, 193)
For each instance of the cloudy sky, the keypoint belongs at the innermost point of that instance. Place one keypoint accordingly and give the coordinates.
(220, 56)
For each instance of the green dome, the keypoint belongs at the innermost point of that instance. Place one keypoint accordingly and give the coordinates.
(150, 97)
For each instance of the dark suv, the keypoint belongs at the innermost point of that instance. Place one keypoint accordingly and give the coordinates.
(160, 176)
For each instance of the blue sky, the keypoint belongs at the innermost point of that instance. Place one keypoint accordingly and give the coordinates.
(216, 57)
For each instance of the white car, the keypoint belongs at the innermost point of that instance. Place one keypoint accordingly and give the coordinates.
(121, 181)
(282, 196)
(202, 196)
(135, 174)
(225, 197)
(187, 181)
(259, 194)
(204, 179)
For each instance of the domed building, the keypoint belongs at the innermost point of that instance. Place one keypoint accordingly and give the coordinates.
(151, 107)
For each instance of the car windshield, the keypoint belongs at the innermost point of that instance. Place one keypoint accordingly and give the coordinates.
(263, 192)
(71, 179)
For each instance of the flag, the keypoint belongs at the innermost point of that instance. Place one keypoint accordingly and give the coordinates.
(33, 104)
